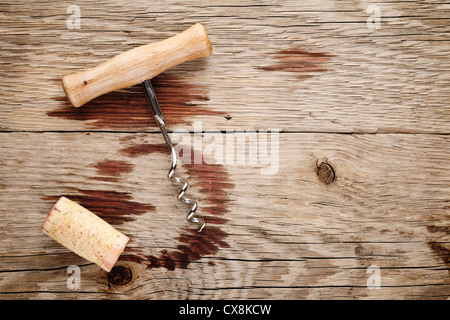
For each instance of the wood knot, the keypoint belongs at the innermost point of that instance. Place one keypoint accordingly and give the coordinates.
(120, 276)
(326, 173)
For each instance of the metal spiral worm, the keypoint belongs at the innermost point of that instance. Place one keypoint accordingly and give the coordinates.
(151, 97)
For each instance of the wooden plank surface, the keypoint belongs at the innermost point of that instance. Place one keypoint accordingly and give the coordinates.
(359, 176)
(309, 66)
(284, 236)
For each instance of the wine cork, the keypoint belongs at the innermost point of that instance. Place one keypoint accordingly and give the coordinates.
(83, 232)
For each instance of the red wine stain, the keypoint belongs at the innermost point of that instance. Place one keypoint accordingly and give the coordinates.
(194, 245)
(441, 251)
(128, 109)
(300, 61)
(214, 183)
(111, 170)
(141, 149)
(436, 242)
(114, 207)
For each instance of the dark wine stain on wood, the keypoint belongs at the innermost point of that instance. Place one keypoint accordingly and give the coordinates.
(110, 170)
(214, 183)
(436, 229)
(194, 245)
(141, 149)
(438, 247)
(299, 61)
(114, 207)
(442, 252)
(128, 109)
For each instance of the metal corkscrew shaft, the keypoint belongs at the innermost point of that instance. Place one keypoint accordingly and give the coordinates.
(151, 97)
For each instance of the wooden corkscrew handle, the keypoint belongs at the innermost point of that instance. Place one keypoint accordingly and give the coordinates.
(136, 65)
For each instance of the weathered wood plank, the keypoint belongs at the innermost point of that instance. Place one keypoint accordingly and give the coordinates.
(313, 66)
(330, 204)
(280, 236)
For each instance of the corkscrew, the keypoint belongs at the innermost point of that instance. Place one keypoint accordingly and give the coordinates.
(151, 97)
(134, 67)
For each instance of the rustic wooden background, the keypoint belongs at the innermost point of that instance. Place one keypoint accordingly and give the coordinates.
(364, 169)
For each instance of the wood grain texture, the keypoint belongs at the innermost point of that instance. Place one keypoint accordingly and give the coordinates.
(363, 169)
(284, 236)
(311, 66)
